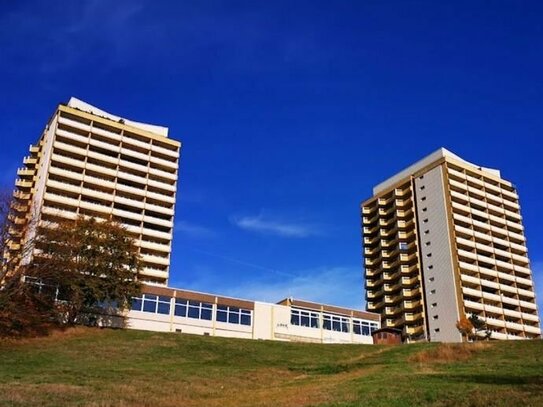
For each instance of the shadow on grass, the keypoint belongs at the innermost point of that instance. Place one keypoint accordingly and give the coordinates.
(491, 379)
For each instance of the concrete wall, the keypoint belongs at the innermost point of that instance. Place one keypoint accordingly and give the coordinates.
(440, 289)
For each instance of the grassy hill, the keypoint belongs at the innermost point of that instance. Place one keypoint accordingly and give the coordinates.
(91, 367)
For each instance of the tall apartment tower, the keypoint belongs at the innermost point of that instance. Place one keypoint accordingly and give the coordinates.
(89, 162)
(443, 239)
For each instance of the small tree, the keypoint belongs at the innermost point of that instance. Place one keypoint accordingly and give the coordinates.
(480, 326)
(465, 327)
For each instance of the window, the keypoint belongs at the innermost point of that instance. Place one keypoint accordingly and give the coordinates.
(363, 327)
(422, 188)
(434, 304)
(429, 255)
(424, 209)
(158, 304)
(428, 243)
(430, 267)
(435, 317)
(336, 323)
(425, 220)
(233, 315)
(423, 198)
(304, 318)
(431, 279)
(403, 246)
(193, 309)
(426, 231)
(432, 291)
(436, 330)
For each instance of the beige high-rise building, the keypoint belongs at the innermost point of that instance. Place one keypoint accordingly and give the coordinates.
(89, 162)
(443, 239)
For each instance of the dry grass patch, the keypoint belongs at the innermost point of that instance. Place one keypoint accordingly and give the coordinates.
(448, 353)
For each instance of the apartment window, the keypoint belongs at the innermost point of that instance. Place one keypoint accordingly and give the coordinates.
(429, 255)
(423, 198)
(422, 188)
(435, 317)
(434, 304)
(424, 209)
(403, 246)
(432, 291)
(304, 318)
(425, 220)
(428, 243)
(426, 231)
(431, 278)
(436, 330)
(233, 315)
(430, 267)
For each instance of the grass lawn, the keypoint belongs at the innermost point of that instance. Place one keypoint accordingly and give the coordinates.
(92, 367)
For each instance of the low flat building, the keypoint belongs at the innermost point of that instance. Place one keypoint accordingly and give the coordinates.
(165, 309)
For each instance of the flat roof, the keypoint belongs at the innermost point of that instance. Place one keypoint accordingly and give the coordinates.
(429, 159)
(249, 304)
(86, 107)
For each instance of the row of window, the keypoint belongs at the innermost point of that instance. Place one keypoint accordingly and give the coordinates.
(159, 304)
(331, 322)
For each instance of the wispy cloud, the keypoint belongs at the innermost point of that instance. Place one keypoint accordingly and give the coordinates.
(194, 231)
(261, 224)
(342, 286)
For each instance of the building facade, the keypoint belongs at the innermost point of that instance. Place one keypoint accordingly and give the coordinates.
(89, 162)
(443, 239)
(165, 309)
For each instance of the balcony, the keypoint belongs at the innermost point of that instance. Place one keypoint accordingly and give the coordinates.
(25, 172)
(30, 160)
(22, 183)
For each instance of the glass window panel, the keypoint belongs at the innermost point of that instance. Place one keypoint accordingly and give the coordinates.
(222, 307)
(233, 318)
(245, 319)
(357, 329)
(234, 309)
(194, 303)
(207, 306)
(365, 330)
(163, 308)
(149, 305)
(150, 297)
(336, 326)
(136, 304)
(180, 301)
(305, 320)
(194, 312)
(180, 310)
(206, 314)
(164, 298)
(222, 316)
(345, 326)
(314, 322)
(327, 324)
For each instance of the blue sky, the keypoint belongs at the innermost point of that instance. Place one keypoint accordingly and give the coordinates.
(289, 113)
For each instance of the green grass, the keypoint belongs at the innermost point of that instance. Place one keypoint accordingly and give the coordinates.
(91, 367)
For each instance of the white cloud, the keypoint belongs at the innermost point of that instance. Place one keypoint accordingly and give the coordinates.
(260, 224)
(193, 231)
(342, 286)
